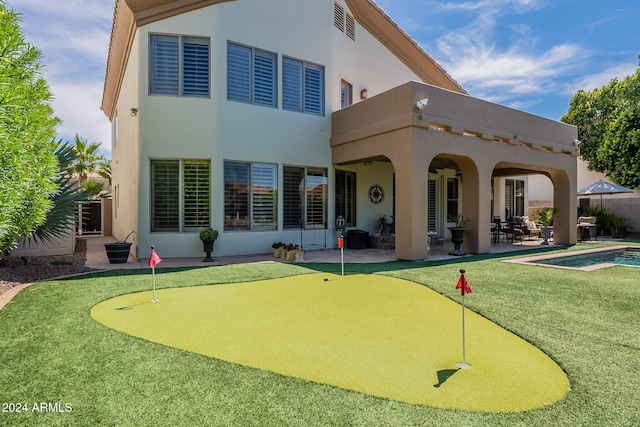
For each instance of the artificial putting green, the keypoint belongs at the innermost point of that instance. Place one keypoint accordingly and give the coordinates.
(374, 334)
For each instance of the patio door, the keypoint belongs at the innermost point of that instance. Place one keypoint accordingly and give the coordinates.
(514, 198)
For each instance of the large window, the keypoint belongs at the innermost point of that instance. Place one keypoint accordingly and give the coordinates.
(251, 75)
(178, 65)
(180, 195)
(250, 196)
(346, 197)
(302, 86)
(304, 197)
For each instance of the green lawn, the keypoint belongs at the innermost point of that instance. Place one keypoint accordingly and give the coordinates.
(52, 351)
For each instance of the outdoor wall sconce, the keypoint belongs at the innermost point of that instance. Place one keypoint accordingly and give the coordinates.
(134, 112)
(364, 93)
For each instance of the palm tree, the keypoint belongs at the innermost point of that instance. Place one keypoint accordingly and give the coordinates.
(86, 160)
(65, 200)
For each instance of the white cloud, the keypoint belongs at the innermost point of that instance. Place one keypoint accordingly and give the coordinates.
(78, 105)
(597, 80)
(73, 36)
(485, 69)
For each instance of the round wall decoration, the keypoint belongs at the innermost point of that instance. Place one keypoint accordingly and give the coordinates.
(376, 194)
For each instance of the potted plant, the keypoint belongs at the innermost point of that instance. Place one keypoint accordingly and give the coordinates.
(545, 217)
(385, 228)
(118, 252)
(208, 237)
(618, 226)
(278, 249)
(457, 233)
(295, 253)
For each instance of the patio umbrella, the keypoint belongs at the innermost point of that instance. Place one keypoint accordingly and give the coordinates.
(603, 187)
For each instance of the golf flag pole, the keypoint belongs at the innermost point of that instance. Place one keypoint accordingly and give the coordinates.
(341, 246)
(153, 260)
(464, 287)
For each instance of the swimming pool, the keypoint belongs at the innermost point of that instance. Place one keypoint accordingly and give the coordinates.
(588, 260)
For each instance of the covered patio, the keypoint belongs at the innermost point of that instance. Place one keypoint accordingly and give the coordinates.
(415, 126)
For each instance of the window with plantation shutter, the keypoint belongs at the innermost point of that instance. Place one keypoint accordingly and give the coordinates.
(250, 191)
(196, 66)
(302, 86)
(178, 65)
(236, 196)
(251, 75)
(165, 72)
(514, 198)
(304, 197)
(291, 84)
(169, 180)
(165, 195)
(432, 207)
(452, 199)
(293, 191)
(313, 88)
(264, 79)
(196, 194)
(316, 198)
(346, 94)
(238, 72)
(264, 196)
(346, 197)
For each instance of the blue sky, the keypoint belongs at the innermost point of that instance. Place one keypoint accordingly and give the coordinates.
(531, 55)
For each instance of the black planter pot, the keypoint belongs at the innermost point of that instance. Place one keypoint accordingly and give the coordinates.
(618, 232)
(118, 252)
(208, 248)
(457, 237)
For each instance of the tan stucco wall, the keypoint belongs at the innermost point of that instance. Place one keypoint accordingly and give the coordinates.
(125, 152)
(504, 139)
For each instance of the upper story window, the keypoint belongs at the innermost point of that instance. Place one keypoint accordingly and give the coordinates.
(178, 65)
(251, 75)
(346, 94)
(302, 86)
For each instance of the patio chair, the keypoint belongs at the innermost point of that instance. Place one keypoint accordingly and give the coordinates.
(587, 228)
(513, 231)
(530, 229)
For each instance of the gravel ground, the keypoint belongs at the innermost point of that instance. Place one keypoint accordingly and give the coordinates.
(14, 272)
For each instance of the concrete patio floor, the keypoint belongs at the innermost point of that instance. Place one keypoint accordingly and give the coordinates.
(97, 257)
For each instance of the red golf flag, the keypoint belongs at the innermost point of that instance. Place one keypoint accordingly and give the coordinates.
(463, 285)
(340, 242)
(154, 258)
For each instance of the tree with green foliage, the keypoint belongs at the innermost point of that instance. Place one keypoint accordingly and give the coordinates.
(608, 122)
(64, 201)
(87, 159)
(28, 166)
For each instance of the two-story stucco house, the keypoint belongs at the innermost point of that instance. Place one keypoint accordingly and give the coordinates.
(275, 120)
